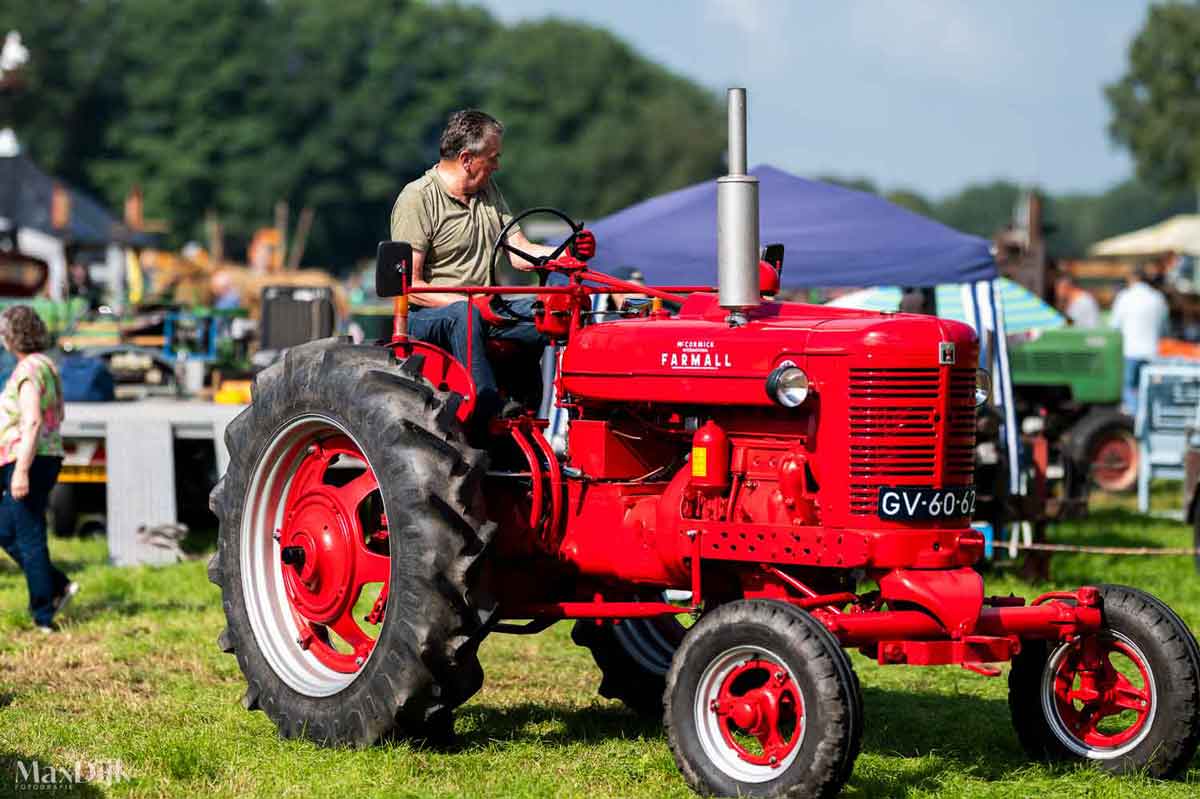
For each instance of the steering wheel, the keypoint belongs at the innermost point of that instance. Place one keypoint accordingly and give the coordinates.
(543, 274)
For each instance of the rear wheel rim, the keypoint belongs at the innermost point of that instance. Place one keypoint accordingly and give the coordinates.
(1099, 695)
(749, 714)
(650, 642)
(315, 556)
(1114, 460)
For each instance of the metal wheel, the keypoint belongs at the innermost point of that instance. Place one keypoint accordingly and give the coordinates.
(749, 714)
(1099, 695)
(1114, 460)
(1125, 698)
(761, 701)
(315, 545)
(651, 643)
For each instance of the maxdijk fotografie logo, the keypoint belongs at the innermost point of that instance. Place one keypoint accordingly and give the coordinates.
(33, 775)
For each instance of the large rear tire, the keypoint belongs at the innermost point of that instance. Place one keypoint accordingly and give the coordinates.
(351, 494)
(634, 656)
(1126, 698)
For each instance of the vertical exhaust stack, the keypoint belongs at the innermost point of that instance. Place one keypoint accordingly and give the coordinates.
(737, 222)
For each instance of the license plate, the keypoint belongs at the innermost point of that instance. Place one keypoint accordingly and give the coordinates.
(910, 503)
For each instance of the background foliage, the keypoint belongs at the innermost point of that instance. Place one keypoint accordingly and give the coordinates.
(232, 105)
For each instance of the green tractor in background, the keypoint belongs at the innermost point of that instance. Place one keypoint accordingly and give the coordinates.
(1070, 379)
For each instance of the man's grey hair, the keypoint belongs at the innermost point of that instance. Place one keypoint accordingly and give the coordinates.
(468, 130)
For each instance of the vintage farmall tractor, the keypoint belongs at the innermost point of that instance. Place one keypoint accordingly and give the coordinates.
(759, 465)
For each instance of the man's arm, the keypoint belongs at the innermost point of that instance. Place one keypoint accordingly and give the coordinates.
(418, 281)
(518, 240)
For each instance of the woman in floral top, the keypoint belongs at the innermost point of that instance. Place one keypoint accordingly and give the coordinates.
(31, 452)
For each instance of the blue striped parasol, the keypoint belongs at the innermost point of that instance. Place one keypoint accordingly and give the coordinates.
(1023, 310)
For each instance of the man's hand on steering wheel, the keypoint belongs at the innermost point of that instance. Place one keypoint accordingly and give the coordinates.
(583, 246)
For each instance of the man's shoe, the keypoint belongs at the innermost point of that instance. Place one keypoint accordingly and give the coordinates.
(47, 629)
(60, 602)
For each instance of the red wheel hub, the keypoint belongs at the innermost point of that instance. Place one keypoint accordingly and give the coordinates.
(328, 557)
(1088, 690)
(760, 699)
(1114, 461)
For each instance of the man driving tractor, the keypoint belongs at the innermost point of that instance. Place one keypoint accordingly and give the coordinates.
(452, 215)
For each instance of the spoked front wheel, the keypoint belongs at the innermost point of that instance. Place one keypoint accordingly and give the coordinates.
(761, 701)
(1126, 697)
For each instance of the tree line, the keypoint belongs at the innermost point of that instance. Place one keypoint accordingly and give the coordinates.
(233, 105)
(1072, 221)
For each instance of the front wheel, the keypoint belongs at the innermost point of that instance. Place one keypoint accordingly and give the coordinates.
(761, 702)
(1126, 697)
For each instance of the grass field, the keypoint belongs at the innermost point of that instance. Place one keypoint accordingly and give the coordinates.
(135, 676)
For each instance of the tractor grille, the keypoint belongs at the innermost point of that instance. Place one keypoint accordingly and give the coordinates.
(902, 431)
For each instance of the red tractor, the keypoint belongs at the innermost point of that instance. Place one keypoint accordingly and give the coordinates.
(797, 478)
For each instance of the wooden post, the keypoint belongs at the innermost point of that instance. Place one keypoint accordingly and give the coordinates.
(300, 241)
(281, 224)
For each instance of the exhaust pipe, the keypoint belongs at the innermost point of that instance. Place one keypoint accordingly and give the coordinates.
(737, 222)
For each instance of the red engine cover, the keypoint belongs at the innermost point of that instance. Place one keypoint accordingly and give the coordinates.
(697, 358)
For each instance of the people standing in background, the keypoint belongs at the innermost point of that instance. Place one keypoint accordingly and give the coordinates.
(1140, 312)
(609, 306)
(1077, 303)
(31, 453)
(79, 284)
(918, 300)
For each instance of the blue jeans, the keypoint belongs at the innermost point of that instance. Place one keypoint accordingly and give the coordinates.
(23, 535)
(446, 327)
(1133, 376)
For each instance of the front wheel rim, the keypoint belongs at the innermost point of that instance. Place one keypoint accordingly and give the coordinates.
(314, 551)
(749, 714)
(1093, 706)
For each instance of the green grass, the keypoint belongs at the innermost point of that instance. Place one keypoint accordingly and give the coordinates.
(136, 676)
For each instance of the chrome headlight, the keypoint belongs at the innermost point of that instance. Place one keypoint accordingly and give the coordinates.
(788, 385)
(983, 386)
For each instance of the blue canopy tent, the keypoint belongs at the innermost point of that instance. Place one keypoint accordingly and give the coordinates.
(834, 237)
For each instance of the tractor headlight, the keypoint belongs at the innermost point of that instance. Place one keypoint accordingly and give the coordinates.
(983, 386)
(788, 385)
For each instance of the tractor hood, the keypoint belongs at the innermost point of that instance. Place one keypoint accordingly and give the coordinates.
(695, 357)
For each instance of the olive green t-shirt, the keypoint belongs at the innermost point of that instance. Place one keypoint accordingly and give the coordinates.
(457, 239)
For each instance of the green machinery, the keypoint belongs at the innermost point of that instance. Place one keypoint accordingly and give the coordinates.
(1067, 382)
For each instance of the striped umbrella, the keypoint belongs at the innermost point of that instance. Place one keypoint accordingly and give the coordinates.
(1023, 310)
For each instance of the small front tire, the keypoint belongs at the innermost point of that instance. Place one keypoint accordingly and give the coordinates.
(760, 702)
(1126, 698)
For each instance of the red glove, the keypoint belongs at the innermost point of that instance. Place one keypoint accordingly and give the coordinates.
(483, 304)
(584, 245)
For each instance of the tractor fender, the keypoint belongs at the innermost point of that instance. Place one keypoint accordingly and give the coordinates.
(441, 369)
(953, 596)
